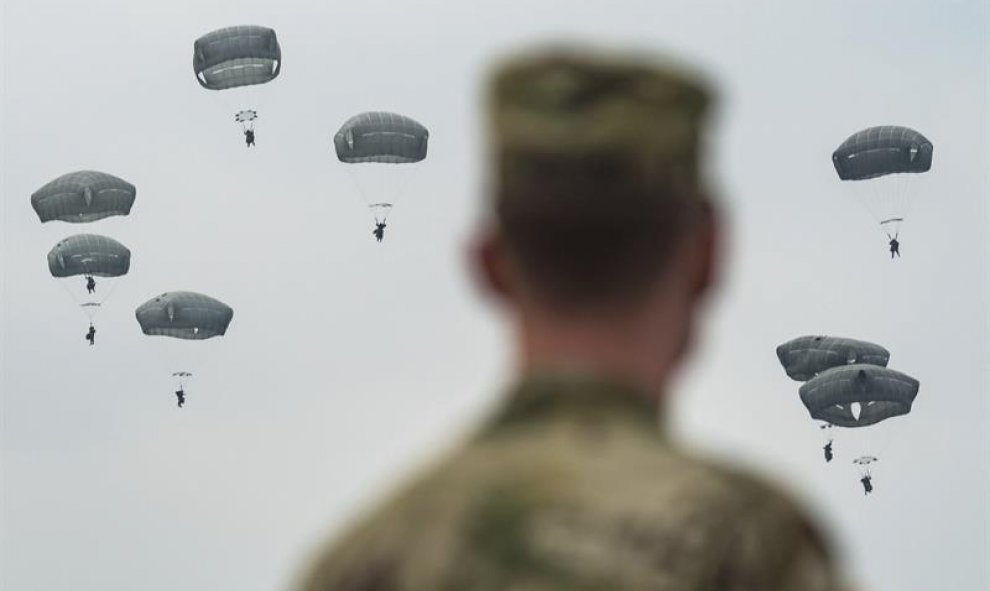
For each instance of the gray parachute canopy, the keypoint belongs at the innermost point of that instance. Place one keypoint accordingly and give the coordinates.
(381, 137)
(237, 56)
(881, 393)
(184, 315)
(883, 150)
(83, 196)
(805, 357)
(89, 254)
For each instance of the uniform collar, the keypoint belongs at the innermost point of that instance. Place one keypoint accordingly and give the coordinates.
(543, 396)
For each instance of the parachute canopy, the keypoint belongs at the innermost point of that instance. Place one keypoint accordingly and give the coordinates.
(883, 150)
(381, 137)
(879, 392)
(237, 56)
(83, 196)
(89, 254)
(805, 357)
(246, 116)
(184, 315)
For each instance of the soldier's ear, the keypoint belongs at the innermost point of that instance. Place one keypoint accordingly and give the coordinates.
(489, 266)
(709, 243)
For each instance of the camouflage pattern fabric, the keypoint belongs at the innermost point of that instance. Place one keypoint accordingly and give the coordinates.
(641, 116)
(573, 485)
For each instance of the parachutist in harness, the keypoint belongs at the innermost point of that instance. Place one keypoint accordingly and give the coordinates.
(249, 137)
(181, 395)
(828, 451)
(91, 335)
(90, 284)
(895, 246)
(867, 484)
(379, 230)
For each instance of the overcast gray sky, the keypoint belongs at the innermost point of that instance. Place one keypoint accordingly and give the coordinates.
(347, 362)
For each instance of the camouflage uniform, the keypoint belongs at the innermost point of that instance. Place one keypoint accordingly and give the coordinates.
(573, 484)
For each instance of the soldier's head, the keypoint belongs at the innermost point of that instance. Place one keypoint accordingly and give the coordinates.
(598, 207)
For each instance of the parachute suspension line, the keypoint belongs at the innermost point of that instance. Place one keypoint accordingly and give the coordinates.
(65, 287)
(89, 308)
(381, 206)
(889, 199)
(380, 210)
(110, 292)
(359, 189)
(405, 182)
(911, 186)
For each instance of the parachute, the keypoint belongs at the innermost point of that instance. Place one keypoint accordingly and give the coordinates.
(89, 255)
(186, 317)
(864, 464)
(805, 357)
(380, 138)
(246, 116)
(884, 163)
(861, 398)
(241, 57)
(237, 56)
(859, 395)
(82, 197)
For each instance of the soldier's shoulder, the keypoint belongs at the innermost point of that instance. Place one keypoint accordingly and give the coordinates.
(744, 489)
(539, 497)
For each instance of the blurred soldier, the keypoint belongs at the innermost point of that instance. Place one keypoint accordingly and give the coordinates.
(601, 248)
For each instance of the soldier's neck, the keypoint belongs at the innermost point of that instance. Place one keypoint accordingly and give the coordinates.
(639, 350)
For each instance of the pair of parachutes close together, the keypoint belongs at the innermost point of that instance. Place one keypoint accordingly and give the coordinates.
(236, 61)
(848, 386)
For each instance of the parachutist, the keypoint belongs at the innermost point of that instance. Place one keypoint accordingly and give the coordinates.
(895, 246)
(379, 231)
(90, 284)
(867, 484)
(91, 335)
(180, 394)
(828, 451)
(249, 137)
